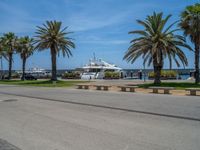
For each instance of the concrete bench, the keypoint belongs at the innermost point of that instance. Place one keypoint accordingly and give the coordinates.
(131, 88)
(165, 89)
(83, 86)
(102, 87)
(193, 91)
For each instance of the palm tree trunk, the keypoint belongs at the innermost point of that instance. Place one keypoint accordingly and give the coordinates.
(196, 63)
(23, 68)
(10, 66)
(53, 63)
(157, 74)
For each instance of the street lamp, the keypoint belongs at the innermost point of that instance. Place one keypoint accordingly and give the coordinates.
(144, 74)
(1, 67)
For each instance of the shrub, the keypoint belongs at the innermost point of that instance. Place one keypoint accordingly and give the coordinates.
(15, 75)
(111, 75)
(165, 74)
(71, 75)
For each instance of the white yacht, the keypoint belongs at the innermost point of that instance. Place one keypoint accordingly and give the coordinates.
(37, 72)
(96, 68)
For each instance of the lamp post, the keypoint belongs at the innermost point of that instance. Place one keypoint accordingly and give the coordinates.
(144, 74)
(1, 67)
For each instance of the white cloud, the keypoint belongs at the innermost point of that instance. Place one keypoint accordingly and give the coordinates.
(84, 21)
(93, 39)
(105, 42)
(80, 15)
(14, 19)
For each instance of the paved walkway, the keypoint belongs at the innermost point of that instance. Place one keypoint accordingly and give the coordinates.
(181, 106)
(4, 145)
(58, 119)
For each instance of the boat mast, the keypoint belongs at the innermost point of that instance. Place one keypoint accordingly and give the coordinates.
(95, 62)
(94, 56)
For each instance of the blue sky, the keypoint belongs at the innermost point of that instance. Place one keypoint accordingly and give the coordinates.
(99, 26)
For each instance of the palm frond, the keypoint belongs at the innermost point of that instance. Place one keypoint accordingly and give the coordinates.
(156, 42)
(52, 35)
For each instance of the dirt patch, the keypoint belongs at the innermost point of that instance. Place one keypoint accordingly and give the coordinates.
(146, 91)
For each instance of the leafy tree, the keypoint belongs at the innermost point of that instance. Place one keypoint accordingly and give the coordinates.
(9, 45)
(51, 36)
(190, 24)
(2, 55)
(156, 43)
(2, 51)
(25, 48)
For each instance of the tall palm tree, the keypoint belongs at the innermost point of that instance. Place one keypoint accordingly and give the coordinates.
(190, 23)
(156, 43)
(2, 55)
(9, 44)
(25, 48)
(51, 36)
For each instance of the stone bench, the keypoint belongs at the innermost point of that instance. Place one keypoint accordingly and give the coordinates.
(83, 86)
(165, 89)
(193, 91)
(102, 87)
(131, 88)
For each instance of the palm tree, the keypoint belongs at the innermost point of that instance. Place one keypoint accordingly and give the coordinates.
(1, 47)
(9, 44)
(51, 36)
(190, 24)
(156, 43)
(25, 48)
(2, 55)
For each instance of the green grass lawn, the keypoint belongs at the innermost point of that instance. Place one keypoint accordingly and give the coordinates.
(176, 85)
(42, 83)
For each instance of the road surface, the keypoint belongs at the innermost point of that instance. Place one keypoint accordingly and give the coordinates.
(68, 119)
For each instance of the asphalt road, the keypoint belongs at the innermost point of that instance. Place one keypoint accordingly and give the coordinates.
(4, 145)
(69, 119)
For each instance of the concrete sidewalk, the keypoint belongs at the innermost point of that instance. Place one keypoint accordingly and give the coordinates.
(60, 119)
(4, 145)
(178, 106)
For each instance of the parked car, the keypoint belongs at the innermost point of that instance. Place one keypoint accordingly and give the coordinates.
(30, 77)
